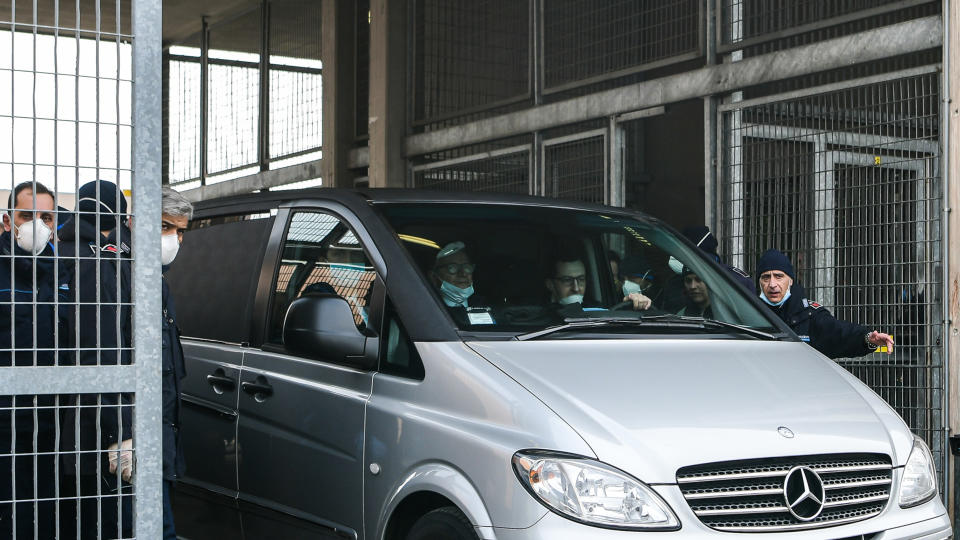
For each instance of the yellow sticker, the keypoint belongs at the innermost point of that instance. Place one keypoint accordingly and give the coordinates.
(877, 160)
(883, 348)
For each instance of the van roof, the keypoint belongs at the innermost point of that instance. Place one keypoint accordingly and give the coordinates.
(265, 201)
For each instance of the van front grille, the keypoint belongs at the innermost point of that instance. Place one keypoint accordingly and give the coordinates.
(790, 493)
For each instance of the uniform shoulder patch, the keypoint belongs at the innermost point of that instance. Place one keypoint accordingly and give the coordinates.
(811, 303)
(110, 248)
(739, 271)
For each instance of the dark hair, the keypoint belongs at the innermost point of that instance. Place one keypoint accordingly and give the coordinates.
(612, 256)
(40, 189)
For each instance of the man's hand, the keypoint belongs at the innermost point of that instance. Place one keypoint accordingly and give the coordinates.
(639, 301)
(125, 458)
(879, 339)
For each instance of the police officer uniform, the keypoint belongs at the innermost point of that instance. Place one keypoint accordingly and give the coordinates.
(818, 327)
(811, 321)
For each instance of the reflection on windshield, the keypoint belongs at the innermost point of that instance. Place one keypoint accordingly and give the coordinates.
(516, 268)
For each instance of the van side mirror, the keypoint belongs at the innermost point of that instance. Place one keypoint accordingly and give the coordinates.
(322, 326)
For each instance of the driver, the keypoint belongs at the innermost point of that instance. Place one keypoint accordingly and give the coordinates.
(568, 284)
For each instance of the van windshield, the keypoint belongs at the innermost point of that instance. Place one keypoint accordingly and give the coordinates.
(514, 268)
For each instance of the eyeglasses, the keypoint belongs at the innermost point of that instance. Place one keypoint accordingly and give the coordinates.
(567, 281)
(454, 268)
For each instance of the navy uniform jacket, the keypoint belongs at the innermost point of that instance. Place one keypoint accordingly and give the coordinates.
(80, 245)
(174, 371)
(19, 291)
(815, 325)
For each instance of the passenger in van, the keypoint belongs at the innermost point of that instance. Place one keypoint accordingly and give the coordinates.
(811, 321)
(697, 295)
(452, 273)
(568, 284)
(639, 277)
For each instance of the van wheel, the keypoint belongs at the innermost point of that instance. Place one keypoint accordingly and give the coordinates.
(447, 523)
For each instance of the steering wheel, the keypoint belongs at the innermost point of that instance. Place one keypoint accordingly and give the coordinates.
(621, 305)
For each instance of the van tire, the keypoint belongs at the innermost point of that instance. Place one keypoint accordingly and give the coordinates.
(447, 523)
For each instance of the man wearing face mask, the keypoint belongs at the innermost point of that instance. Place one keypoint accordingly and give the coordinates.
(639, 277)
(28, 279)
(453, 275)
(811, 321)
(95, 247)
(176, 211)
(568, 285)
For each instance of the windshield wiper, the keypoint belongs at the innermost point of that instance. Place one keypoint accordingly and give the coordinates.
(715, 324)
(652, 320)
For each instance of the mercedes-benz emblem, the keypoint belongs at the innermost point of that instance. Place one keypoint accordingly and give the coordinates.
(803, 492)
(785, 431)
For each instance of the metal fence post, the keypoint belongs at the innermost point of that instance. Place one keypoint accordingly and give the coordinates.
(147, 147)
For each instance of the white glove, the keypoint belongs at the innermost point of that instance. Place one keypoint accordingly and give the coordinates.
(125, 458)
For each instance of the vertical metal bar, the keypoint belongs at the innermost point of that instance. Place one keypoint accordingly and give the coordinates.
(264, 136)
(147, 139)
(204, 89)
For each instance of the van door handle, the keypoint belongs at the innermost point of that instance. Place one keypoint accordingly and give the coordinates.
(220, 382)
(258, 388)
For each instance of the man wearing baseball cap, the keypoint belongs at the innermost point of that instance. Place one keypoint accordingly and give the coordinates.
(811, 321)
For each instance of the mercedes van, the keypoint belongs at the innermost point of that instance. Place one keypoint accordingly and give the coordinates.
(398, 365)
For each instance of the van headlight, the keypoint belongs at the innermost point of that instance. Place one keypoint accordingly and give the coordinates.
(919, 482)
(591, 492)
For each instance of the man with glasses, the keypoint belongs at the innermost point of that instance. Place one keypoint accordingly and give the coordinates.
(453, 275)
(568, 284)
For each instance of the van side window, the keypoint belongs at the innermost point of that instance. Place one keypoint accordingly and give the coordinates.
(215, 277)
(321, 255)
(400, 356)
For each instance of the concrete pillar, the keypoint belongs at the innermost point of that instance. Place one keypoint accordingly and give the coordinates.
(951, 138)
(388, 93)
(338, 52)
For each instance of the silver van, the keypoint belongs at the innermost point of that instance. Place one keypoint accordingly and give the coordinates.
(400, 365)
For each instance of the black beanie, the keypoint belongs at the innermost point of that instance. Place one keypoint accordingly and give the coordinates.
(89, 204)
(704, 239)
(773, 259)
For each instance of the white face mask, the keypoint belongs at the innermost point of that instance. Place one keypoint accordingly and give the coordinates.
(169, 246)
(572, 299)
(33, 235)
(675, 265)
(630, 287)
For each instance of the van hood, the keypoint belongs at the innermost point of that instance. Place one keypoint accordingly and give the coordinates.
(652, 406)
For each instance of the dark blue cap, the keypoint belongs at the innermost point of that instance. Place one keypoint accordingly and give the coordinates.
(89, 203)
(773, 259)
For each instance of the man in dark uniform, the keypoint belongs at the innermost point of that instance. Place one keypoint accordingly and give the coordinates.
(28, 336)
(97, 460)
(175, 213)
(811, 321)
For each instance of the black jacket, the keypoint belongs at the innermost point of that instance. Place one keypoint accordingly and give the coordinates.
(815, 325)
(85, 252)
(19, 291)
(174, 371)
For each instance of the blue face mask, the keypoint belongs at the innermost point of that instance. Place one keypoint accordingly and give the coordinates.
(453, 295)
(778, 304)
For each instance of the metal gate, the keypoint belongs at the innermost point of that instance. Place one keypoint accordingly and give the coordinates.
(845, 179)
(69, 114)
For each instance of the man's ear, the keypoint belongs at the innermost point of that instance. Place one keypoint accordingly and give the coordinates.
(789, 282)
(6, 221)
(549, 284)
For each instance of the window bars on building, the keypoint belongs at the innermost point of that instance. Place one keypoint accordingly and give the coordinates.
(73, 387)
(245, 95)
(846, 180)
(506, 170)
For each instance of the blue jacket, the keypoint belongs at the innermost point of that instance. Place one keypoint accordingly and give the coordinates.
(19, 295)
(85, 253)
(815, 325)
(174, 371)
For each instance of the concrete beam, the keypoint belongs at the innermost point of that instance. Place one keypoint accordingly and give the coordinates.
(950, 136)
(893, 40)
(258, 181)
(388, 93)
(338, 35)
